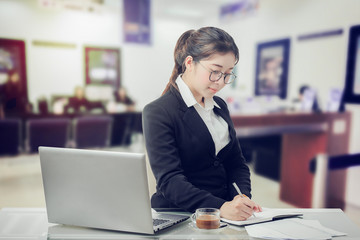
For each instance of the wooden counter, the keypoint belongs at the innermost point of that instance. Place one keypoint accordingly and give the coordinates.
(304, 135)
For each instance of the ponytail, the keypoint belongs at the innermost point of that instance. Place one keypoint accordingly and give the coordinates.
(180, 54)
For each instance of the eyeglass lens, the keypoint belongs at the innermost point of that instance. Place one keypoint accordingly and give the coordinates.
(216, 75)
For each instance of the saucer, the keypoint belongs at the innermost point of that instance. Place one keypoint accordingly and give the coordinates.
(222, 227)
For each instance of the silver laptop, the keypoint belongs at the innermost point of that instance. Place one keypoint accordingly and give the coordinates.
(100, 189)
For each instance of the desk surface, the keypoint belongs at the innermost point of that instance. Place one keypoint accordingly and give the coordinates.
(31, 223)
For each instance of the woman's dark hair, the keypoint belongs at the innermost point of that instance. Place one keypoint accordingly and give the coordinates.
(303, 88)
(200, 44)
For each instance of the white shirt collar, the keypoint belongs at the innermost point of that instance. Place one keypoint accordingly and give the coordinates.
(189, 98)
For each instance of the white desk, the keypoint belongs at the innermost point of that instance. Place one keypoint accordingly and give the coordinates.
(31, 223)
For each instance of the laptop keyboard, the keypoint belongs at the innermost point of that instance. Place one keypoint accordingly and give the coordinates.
(157, 222)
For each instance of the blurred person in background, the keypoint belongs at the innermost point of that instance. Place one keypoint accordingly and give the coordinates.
(302, 90)
(121, 97)
(78, 103)
(300, 101)
(13, 99)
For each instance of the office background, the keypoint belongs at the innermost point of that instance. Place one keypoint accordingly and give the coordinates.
(55, 38)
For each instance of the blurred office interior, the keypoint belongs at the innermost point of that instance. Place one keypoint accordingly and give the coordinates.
(70, 62)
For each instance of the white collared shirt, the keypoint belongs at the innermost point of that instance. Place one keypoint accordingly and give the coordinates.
(216, 125)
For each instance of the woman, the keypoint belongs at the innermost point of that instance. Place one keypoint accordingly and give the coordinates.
(12, 96)
(190, 138)
(78, 103)
(121, 97)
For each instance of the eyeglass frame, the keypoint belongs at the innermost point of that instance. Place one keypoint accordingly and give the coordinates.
(222, 74)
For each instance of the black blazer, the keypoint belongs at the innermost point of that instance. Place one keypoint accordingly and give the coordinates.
(182, 156)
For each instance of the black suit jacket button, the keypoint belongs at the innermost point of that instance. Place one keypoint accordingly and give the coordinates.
(216, 163)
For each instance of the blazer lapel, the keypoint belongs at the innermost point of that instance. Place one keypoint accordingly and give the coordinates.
(226, 117)
(197, 126)
(194, 122)
(221, 113)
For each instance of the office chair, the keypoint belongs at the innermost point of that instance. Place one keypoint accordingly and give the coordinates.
(92, 131)
(51, 132)
(10, 136)
(321, 167)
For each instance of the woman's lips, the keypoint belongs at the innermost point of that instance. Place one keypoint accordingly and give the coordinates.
(213, 90)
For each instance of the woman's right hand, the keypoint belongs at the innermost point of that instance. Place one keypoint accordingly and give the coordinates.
(239, 209)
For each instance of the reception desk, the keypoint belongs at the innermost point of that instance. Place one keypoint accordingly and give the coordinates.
(304, 135)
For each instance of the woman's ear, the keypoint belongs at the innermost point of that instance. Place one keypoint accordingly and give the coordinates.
(189, 63)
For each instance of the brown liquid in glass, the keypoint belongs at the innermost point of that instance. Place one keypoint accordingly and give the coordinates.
(208, 222)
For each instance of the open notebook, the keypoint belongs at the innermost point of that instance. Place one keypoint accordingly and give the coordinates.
(266, 215)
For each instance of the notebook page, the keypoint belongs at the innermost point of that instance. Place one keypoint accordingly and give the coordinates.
(266, 215)
(289, 229)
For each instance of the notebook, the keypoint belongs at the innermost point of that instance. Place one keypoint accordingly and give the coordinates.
(100, 189)
(266, 215)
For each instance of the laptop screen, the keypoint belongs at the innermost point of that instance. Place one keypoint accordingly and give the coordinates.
(98, 189)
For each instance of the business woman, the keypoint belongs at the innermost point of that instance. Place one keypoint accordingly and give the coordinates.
(190, 138)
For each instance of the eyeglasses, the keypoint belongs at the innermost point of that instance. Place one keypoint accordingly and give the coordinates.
(216, 75)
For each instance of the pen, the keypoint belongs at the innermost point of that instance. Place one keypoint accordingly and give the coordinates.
(239, 192)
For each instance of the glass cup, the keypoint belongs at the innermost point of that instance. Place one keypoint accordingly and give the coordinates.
(206, 218)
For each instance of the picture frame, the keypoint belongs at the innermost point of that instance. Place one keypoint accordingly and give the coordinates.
(137, 21)
(102, 66)
(272, 62)
(352, 82)
(13, 61)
